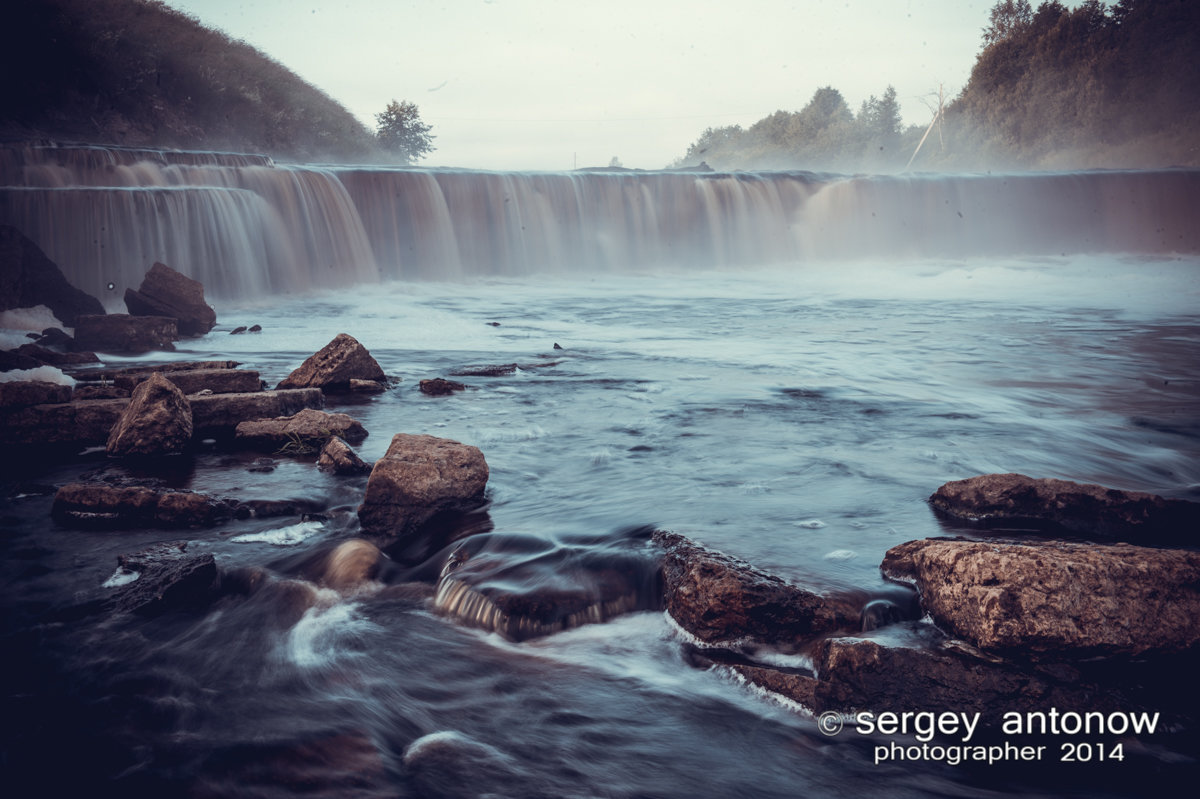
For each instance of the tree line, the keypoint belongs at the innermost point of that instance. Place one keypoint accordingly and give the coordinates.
(1052, 87)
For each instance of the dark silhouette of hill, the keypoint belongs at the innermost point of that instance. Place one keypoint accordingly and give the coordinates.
(139, 73)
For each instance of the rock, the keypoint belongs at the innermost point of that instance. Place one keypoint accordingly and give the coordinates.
(337, 457)
(192, 381)
(55, 337)
(29, 278)
(157, 421)
(418, 477)
(718, 598)
(100, 392)
(254, 329)
(334, 366)
(524, 586)
(1078, 507)
(86, 423)
(124, 333)
(103, 505)
(237, 330)
(113, 375)
(14, 359)
(366, 386)
(32, 392)
(55, 358)
(1053, 597)
(494, 370)
(438, 387)
(168, 578)
(165, 292)
(303, 433)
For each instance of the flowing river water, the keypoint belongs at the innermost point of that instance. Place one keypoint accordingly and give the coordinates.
(795, 411)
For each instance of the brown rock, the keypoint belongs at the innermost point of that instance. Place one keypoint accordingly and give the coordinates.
(418, 477)
(32, 392)
(439, 387)
(29, 278)
(718, 598)
(1080, 600)
(337, 457)
(1078, 507)
(334, 366)
(220, 414)
(103, 505)
(165, 292)
(55, 358)
(99, 392)
(168, 578)
(112, 375)
(123, 333)
(158, 421)
(366, 386)
(303, 433)
(191, 381)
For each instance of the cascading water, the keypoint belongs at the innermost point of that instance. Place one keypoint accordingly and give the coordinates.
(781, 367)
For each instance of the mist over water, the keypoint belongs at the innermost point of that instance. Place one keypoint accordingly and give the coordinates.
(744, 359)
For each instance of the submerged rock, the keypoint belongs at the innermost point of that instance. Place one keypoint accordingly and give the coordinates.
(526, 586)
(1082, 508)
(124, 333)
(337, 457)
(334, 366)
(51, 357)
(28, 278)
(165, 292)
(718, 598)
(157, 421)
(168, 578)
(1077, 600)
(440, 387)
(417, 478)
(303, 433)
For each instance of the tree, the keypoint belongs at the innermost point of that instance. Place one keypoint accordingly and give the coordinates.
(1007, 17)
(400, 129)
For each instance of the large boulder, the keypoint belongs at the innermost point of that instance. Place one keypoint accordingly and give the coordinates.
(303, 433)
(158, 421)
(29, 278)
(418, 477)
(124, 333)
(334, 366)
(1056, 598)
(1083, 508)
(718, 598)
(165, 292)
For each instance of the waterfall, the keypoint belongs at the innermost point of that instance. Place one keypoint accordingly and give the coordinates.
(245, 226)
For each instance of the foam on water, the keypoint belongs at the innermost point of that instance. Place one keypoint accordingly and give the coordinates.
(282, 536)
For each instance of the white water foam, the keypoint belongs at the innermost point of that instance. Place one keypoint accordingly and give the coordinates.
(282, 536)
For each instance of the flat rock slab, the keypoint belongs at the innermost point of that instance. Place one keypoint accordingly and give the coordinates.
(32, 392)
(303, 433)
(100, 505)
(125, 333)
(192, 381)
(1067, 599)
(1083, 508)
(718, 598)
(418, 477)
(87, 423)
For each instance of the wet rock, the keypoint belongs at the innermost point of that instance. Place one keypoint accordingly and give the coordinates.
(99, 392)
(165, 292)
(718, 598)
(220, 414)
(192, 381)
(1053, 597)
(494, 370)
(1082, 508)
(526, 586)
(124, 333)
(168, 578)
(32, 392)
(303, 433)
(14, 359)
(103, 505)
(334, 366)
(28, 278)
(366, 386)
(55, 358)
(337, 457)
(417, 478)
(55, 337)
(157, 421)
(113, 375)
(273, 508)
(439, 387)
(254, 329)
(238, 330)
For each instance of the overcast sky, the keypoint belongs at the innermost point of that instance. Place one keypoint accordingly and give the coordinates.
(532, 84)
